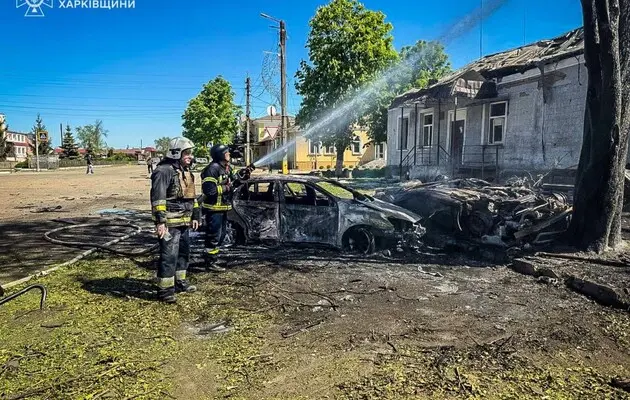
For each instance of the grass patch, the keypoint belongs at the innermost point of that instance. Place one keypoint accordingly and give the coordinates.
(479, 374)
(103, 335)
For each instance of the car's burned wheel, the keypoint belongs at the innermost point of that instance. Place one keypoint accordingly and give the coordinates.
(359, 241)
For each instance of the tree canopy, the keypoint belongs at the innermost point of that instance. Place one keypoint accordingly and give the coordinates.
(348, 45)
(92, 137)
(43, 148)
(162, 144)
(418, 66)
(6, 147)
(212, 116)
(68, 146)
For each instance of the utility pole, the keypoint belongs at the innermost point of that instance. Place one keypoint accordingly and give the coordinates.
(37, 148)
(247, 135)
(61, 132)
(284, 126)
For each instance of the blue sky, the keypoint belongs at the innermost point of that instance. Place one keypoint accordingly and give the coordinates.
(137, 68)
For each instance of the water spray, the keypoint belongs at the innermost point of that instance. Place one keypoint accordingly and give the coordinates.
(360, 101)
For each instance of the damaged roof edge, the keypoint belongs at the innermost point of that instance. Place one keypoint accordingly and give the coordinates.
(517, 60)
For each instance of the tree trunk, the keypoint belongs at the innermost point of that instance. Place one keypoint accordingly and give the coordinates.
(598, 200)
(341, 149)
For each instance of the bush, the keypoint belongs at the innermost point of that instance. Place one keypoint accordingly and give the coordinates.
(21, 164)
(121, 157)
(369, 173)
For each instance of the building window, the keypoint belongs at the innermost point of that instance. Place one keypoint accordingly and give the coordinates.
(314, 147)
(328, 150)
(379, 150)
(403, 133)
(356, 145)
(427, 129)
(498, 118)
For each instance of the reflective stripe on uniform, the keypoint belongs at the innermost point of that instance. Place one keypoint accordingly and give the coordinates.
(215, 207)
(212, 251)
(196, 204)
(159, 205)
(180, 275)
(165, 283)
(178, 220)
(209, 179)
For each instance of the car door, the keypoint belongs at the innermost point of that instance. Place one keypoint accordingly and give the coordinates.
(307, 215)
(257, 205)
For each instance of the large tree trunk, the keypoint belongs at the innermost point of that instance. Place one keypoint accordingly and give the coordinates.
(341, 149)
(596, 223)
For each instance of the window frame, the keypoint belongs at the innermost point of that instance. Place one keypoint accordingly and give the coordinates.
(326, 148)
(431, 126)
(491, 138)
(311, 143)
(399, 134)
(356, 139)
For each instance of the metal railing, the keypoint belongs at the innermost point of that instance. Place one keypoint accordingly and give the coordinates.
(473, 160)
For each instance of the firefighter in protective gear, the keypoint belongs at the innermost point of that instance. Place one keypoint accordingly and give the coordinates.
(218, 183)
(175, 210)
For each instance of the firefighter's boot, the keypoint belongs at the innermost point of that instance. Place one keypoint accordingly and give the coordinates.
(167, 295)
(183, 286)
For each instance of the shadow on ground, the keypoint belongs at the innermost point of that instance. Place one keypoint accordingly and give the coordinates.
(121, 287)
(25, 251)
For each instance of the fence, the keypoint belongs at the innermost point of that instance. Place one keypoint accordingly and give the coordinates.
(45, 162)
(65, 162)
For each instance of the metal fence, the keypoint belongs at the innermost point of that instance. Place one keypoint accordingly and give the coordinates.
(45, 162)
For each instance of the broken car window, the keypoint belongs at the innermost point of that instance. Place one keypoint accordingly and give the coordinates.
(259, 191)
(335, 190)
(299, 193)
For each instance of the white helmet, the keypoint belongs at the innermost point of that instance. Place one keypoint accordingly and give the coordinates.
(177, 146)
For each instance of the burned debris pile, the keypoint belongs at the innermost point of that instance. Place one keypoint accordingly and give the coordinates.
(476, 211)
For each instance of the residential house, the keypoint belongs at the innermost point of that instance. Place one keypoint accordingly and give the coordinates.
(305, 154)
(21, 143)
(518, 110)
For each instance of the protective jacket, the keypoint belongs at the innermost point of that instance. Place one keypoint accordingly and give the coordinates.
(218, 182)
(173, 199)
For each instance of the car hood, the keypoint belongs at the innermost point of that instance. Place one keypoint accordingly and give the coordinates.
(391, 210)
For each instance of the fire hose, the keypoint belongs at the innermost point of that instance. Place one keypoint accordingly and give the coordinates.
(93, 248)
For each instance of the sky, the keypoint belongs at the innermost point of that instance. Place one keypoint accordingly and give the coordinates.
(136, 68)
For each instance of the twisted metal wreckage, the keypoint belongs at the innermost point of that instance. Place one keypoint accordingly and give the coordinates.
(472, 211)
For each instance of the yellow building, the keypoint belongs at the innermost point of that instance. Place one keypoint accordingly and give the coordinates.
(306, 154)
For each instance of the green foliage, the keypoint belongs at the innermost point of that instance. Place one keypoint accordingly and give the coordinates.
(348, 46)
(69, 147)
(43, 148)
(201, 151)
(419, 65)
(22, 164)
(110, 152)
(121, 157)
(92, 137)
(6, 148)
(212, 116)
(162, 143)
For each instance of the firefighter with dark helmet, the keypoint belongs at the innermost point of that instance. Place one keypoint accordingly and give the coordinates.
(218, 183)
(175, 210)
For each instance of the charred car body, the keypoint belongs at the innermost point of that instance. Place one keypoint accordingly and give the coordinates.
(308, 209)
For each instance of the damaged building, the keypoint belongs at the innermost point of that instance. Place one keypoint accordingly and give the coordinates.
(506, 113)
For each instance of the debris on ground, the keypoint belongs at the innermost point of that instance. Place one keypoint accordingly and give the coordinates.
(484, 213)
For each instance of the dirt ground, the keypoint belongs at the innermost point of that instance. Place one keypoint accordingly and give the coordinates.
(300, 323)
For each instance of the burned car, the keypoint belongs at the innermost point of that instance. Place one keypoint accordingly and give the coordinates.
(313, 210)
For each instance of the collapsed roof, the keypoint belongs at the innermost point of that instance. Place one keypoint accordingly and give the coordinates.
(475, 79)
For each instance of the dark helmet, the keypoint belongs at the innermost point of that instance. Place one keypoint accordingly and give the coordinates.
(217, 152)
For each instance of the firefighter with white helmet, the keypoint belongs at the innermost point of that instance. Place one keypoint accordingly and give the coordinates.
(175, 210)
